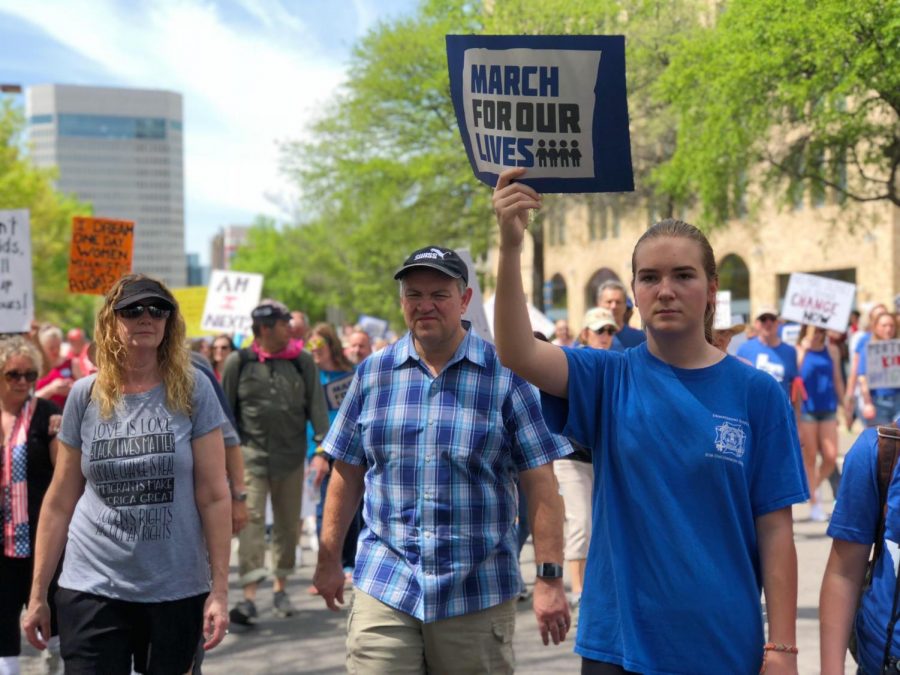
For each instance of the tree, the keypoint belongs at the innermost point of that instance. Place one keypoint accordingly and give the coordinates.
(795, 95)
(386, 171)
(24, 186)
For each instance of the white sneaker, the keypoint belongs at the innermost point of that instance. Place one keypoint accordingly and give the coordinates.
(817, 514)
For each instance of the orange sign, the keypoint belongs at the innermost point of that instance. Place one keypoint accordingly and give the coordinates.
(100, 253)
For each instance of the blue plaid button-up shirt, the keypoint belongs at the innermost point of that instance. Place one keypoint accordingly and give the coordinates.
(442, 455)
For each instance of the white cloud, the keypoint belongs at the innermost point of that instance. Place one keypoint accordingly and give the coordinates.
(244, 89)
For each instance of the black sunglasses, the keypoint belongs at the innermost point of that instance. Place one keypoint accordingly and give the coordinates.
(27, 375)
(609, 330)
(135, 311)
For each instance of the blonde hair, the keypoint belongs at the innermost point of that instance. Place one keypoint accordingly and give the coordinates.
(19, 346)
(172, 355)
(671, 227)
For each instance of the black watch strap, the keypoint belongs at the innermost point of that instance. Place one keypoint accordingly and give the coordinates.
(549, 570)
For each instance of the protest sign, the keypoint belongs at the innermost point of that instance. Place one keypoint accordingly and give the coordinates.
(722, 319)
(191, 302)
(373, 326)
(554, 105)
(16, 292)
(336, 390)
(818, 301)
(230, 298)
(475, 311)
(100, 253)
(883, 364)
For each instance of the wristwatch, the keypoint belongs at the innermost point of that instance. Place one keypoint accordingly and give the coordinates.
(239, 496)
(549, 571)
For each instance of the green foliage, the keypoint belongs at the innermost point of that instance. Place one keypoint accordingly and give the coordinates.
(386, 172)
(778, 96)
(23, 186)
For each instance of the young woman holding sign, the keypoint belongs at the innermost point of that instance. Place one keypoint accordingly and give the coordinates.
(881, 405)
(696, 464)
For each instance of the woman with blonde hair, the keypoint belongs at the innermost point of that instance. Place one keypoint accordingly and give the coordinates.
(27, 455)
(335, 373)
(138, 498)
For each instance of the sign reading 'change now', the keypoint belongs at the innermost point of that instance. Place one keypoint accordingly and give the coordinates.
(554, 105)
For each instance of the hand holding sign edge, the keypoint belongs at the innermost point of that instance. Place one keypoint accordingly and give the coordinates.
(512, 201)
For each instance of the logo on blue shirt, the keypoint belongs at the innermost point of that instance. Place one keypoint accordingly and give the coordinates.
(730, 439)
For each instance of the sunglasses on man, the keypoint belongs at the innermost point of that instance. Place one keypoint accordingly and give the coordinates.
(14, 375)
(609, 330)
(136, 311)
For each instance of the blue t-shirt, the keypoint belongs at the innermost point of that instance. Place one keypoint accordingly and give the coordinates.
(631, 337)
(336, 383)
(818, 380)
(684, 463)
(854, 519)
(780, 362)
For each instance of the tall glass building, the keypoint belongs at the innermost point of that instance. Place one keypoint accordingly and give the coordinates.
(121, 150)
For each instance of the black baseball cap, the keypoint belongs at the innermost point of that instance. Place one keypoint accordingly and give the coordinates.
(144, 289)
(437, 258)
(271, 310)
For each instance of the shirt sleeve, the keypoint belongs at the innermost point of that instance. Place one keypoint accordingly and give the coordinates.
(577, 416)
(862, 366)
(532, 443)
(777, 478)
(206, 413)
(343, 441)
(73, 414)
(855, 514)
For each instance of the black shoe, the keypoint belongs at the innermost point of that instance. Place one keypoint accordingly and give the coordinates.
(283, 605)
(243, 613)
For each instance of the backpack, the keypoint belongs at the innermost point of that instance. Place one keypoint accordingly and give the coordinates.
(247, 355)
(888, 452)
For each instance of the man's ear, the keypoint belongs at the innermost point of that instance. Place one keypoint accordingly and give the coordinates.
(466, 299)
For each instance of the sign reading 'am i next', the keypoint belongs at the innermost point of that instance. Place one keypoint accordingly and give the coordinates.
(554, 105)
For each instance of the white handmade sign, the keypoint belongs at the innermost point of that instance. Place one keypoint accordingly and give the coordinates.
(883, 364)
(230, 298)
(818, 301)
(16, 292)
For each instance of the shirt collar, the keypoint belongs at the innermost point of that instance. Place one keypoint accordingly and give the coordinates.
(467, 349)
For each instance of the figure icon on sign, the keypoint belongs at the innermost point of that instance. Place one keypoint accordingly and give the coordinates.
(553, 154)
(575, 154)
(541, 153)
(563, 153)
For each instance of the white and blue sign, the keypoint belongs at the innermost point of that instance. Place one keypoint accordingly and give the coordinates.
(554, 105)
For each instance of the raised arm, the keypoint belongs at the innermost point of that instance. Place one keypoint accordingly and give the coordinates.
(542, 364)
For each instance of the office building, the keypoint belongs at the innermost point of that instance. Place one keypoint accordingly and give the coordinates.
(225, 244)
(122, 151)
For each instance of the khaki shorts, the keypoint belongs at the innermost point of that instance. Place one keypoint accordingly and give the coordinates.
(384, 641)
(576, 485)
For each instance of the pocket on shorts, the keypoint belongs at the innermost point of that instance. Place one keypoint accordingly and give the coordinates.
(503, 630)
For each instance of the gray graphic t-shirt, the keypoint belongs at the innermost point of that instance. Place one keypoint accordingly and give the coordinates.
(136, 533)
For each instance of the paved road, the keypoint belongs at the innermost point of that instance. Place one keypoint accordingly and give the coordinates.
(312, 641)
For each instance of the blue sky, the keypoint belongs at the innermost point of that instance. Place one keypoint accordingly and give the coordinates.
(252, 73)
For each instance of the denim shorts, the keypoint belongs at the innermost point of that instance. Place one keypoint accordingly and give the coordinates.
(818, 416)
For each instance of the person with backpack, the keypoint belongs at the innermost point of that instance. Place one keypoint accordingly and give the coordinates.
(859, 599)
(273, 389)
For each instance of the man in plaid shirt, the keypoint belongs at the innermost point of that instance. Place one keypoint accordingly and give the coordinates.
(436, 432)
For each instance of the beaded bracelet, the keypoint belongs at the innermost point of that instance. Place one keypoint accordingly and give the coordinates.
(776, 647)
